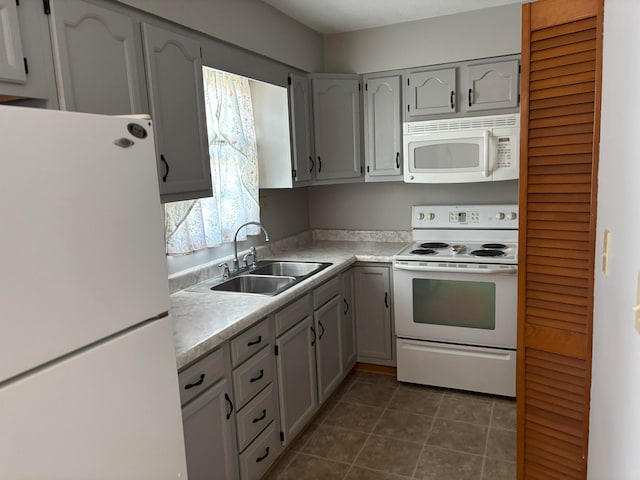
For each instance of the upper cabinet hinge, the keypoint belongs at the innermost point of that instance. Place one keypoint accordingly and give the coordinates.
(47, 7)
(26, 66)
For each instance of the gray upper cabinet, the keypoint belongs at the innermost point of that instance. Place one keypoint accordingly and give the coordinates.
(492, 85)
(301, 129)
(26, 63)
(97, 59)
(176, 97)
(383, 133)
(431, 92)
(12, 67)
(336, 117)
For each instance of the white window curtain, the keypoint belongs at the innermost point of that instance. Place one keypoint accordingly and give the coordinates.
(208, 222)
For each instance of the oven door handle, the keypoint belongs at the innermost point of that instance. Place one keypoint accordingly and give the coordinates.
(512, 269)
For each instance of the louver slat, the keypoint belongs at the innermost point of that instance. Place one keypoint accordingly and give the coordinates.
(561, 71)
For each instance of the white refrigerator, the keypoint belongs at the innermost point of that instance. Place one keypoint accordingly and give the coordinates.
(88, 380)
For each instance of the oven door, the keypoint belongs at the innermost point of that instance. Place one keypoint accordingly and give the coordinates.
(477, 306)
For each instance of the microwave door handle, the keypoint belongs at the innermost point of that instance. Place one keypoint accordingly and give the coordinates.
(485, 135)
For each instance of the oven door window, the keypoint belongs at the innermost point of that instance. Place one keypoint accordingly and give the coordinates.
(454, 303)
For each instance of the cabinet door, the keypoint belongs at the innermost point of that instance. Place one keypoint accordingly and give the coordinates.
(95, 59)
(209, 435)
(297, 388)
(336, 116)
(347, 321)
(383, 138)
(301, 133)
(492, 85)
(430, 92)
(174, 82)
(328, 347)
(11, 58)
(373, 314)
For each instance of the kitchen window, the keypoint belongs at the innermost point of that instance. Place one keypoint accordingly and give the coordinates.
(194, 225)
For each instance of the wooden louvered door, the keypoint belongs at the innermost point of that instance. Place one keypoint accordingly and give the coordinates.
(561, 72)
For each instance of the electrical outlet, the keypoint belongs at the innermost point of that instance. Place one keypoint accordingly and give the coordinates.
(605, 251)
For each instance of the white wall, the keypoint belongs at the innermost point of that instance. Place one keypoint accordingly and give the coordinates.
(250, 24)
(615, 393)
(482, 33)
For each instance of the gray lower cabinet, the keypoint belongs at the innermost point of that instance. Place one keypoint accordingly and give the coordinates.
(98, 59)
(328, 347)
(373, 314)
(256, 396)
(208, 418)
(176, 96)
(296, 364)
(348, 320)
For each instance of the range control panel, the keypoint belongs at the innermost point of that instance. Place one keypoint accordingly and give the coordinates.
(465, 216)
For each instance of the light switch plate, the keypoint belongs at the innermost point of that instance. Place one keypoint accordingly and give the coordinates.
(605, 251)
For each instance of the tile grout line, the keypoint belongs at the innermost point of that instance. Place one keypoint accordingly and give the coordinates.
(426, 439)
(486, 444)
(353, 464)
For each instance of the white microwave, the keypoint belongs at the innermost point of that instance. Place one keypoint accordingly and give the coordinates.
(462, 150)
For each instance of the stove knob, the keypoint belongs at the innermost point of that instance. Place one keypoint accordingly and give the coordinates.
(421, 216)
(431, 216)
(512, 216)
(499, 216)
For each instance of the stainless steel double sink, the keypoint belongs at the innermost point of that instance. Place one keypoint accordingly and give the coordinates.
(265, 278)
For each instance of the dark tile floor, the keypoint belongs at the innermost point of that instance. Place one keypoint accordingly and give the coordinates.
(375, 428)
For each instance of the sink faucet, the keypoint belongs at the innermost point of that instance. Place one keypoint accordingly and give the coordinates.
(236, 262)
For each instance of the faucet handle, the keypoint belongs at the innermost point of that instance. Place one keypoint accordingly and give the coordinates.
(254, 254)
(225, 273)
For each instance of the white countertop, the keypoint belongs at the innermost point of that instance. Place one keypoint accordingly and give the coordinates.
(204, 320)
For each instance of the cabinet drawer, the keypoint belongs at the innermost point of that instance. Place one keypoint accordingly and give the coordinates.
(255, 416)
(201, 375)
(259, 456)
(326, 291)
(253, 376)
(293, 313)
(249, 342)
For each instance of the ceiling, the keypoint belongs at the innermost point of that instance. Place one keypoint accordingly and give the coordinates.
(337, 16)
